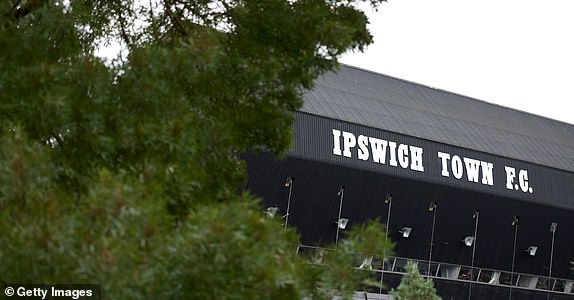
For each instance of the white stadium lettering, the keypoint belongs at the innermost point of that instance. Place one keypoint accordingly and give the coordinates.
(394, 154)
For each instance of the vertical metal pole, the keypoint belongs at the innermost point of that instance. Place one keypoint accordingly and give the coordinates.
(389, 199)
(515, 222)
(432, 208)
(553, 230)
(290, 183)
(341, 192)
(474, 216)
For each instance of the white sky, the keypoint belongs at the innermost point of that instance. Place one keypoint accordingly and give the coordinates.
(518, 54)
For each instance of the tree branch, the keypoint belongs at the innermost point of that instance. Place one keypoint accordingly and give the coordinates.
(19, 11)
(174, 19)
(123, 32)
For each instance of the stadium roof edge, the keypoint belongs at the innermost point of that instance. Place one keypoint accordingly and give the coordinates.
(382, 101)
(453, 93)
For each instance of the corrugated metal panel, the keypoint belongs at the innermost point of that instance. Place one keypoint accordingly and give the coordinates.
(314, 141)
(392, 104)
(315, 204)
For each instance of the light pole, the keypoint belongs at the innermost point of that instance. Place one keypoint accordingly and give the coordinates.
(553, 228)
(341, 194)
(475, 217)
(432, 208)
(515, 221)
(289, 184)
(388, 200)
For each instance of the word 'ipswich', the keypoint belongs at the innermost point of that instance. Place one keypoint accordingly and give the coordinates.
(381, 151)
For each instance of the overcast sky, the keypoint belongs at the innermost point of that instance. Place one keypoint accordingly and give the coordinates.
(518, 54)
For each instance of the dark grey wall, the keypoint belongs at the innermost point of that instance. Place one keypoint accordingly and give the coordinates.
(318, 174)
(314, 210)
(314, 140)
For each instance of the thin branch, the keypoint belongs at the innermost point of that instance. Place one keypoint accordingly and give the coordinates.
(16, 4)
(19, 11)
(9, 116)
(174, 19)
(123, 32)
(12, 12)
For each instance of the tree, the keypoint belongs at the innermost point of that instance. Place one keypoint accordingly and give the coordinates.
(126, 172)
(413, 286)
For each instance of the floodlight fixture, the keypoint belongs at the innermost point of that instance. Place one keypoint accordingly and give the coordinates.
(432, 206)
(475, 215)
(271, 211)
(342, 223)
(468, 241)
(405, 231)
(340, 193)
(341, 190)
(471, 241)
(388, 198)
(515, 223)
(289, 184)
(289, 181)
(553, 227)
(531, 250)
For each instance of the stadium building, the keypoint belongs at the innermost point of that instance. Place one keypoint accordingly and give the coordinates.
(480, 195)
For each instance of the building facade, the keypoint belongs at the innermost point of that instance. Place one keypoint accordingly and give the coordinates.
(480, 195)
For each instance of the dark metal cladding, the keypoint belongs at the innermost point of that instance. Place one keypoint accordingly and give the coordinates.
(314, 211)
(381, 101)
(353, 102)
(314, 140)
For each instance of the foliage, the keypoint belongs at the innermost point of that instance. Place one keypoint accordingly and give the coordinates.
(334, 277)
(126, 172)
(413, 286)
